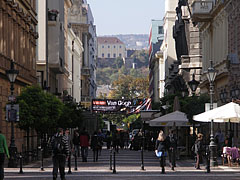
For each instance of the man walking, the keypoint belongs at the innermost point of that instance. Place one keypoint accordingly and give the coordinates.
(172, 147)
(3, 151)
(60, 153)
(84, 143)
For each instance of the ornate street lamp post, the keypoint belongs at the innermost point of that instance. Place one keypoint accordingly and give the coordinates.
(12, 74)
(211, 75)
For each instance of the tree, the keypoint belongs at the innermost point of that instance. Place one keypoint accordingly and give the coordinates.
(129, 87)
(38, 109)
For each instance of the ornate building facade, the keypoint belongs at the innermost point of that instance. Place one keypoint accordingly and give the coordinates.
(18, 44)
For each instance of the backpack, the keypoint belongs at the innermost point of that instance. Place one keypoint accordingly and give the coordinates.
(58, 145)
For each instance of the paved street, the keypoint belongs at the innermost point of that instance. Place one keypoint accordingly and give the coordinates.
(128, 166)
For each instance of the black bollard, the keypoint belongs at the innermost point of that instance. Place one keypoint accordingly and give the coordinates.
(142, 164)
(69, 164)
(114, 162)
(162, 162)
(208, 160)
(75, 162)
(110, 159)
(172, 159)
(21, 163)
(42, 169)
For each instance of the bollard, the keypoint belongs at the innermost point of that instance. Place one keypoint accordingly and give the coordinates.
(69, 164)
(208, 160)
(114, 162)
(142, 164)
(172, 159)
(42, 169)
(21, 164)
(75, 168)
(110, 159)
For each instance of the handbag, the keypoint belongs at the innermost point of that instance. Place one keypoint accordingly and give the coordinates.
(160, 153)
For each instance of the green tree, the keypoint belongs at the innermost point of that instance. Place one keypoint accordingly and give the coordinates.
(129, 88)
(38, 110)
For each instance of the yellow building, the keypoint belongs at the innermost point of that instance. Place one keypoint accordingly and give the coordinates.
(110, 47)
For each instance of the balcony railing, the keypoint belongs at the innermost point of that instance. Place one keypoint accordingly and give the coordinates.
(201, 10)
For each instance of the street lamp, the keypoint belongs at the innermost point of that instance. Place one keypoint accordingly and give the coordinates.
(211, 75)
(193, 84)
(12, 74)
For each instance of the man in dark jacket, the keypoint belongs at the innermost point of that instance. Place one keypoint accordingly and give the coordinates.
(171, 141)
(60, 149)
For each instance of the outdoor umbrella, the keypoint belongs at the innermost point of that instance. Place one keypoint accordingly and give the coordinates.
(175, 118)
(227, 113)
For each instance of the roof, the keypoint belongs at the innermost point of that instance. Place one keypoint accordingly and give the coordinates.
(109, 40)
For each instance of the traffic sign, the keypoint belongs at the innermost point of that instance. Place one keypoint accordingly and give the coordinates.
(12, 98)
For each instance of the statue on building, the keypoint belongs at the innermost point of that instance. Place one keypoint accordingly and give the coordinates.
(179, 33)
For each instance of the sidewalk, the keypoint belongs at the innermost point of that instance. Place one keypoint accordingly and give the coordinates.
(126, 161)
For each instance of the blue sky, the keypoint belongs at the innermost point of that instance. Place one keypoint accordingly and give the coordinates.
(125, 16)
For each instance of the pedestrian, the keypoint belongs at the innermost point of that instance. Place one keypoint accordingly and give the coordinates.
(198, 149)
(160, 149)
(171, 141)
(84, 143)
(95, 146)
(76, 143)
(69, 140)
(100, 141)
(60, 149)
(219, 139)
(3, 152)
(108, 139)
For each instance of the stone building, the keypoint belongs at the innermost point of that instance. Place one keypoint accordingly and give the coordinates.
(82, 22)
(18, 44)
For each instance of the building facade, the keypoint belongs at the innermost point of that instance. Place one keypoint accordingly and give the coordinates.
(18, 36)
(82, 22)
(169, 54)
(218, 23)
(156, 85)
(110, 47)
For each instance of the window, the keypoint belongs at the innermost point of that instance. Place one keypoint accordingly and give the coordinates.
(114, 46)
(120, 55)
(120, 46)
(114, 55)
(102, 46)
(160, 30)
(108, 55)
(103, 55)
(108, 46)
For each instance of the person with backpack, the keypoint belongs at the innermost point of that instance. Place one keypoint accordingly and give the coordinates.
(60, 149)
(171, 141)
(197, 148)
(3, 151)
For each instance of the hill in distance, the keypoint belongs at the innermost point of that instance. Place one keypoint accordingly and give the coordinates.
(133, 41)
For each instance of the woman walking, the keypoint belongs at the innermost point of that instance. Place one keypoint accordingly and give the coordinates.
(198, 150)
(160, 149)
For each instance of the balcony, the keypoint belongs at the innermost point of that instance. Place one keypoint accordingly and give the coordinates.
(201, 10)
(85, 71)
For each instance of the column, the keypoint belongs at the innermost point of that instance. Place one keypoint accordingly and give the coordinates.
(85, 60)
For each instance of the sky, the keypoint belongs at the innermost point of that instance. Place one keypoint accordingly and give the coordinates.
(125, 16)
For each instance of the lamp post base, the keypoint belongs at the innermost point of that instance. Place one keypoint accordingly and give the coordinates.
(13, 161)
(213, 157)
